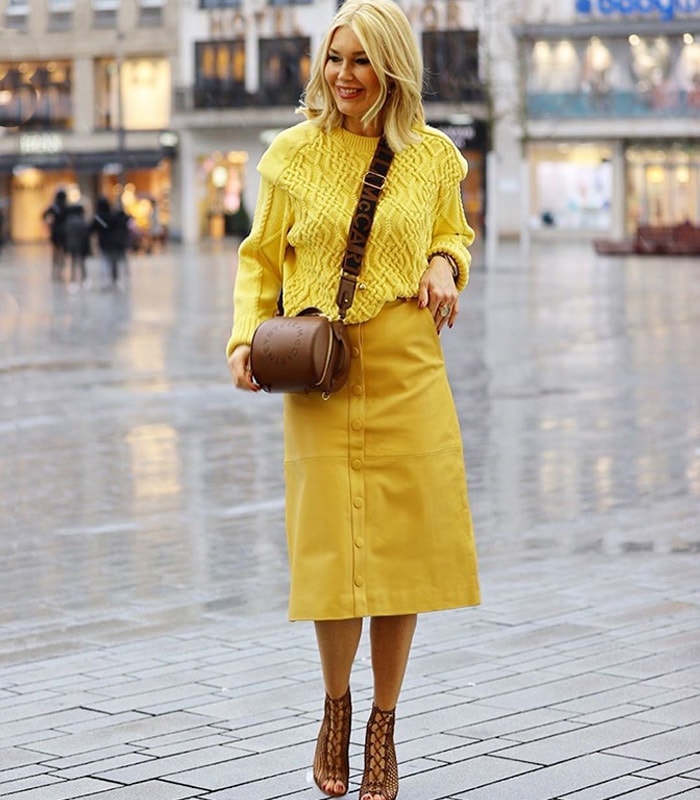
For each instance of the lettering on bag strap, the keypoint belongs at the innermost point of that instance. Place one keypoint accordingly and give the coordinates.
(372, 185)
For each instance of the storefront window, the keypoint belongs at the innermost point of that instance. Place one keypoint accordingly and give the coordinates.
(219, 74)
(145, 93)
(571, 186)
(32, 191)
(663, 186)
(284, 69)
(222, 210)
(452, 66)
(633, 76)
(36, 95)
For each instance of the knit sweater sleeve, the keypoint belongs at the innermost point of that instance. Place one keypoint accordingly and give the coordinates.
(451, 231)
(263, 252)
(260, 259)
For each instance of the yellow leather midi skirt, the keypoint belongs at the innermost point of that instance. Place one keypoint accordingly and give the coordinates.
(377, 512)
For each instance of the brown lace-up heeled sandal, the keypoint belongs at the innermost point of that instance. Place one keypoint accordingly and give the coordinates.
(381, 775)
(331, 763)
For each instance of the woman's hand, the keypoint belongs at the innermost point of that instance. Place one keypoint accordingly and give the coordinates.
(437, 291)
(239, 364)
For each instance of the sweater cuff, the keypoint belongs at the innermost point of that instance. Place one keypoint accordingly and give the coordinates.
(460, 257)
(240, 334)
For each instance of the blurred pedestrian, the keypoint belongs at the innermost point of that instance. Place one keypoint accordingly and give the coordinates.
(112, 229)
(76, 242)
(55, 218)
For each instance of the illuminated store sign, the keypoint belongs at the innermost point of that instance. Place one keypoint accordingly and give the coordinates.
(40, 143)
(666, 9)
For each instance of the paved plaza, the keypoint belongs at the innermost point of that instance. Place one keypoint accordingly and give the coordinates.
(145, 652)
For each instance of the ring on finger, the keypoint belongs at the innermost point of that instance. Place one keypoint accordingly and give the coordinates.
(445, 310)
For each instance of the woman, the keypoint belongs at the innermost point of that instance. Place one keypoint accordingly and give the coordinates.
(378, 521)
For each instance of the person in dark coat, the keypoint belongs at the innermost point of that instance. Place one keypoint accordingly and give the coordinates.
(112, 229)
(55, 218)
(76, 242)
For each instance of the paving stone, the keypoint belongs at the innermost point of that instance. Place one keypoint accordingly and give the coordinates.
(169, 766)
(672, 744)
(26, 785)
(83, 787)
(680, 766)
(554, 781)
(98, 766)
(248, 768)
(596, 738)
(11, 780)
(553, 692)
(674, 787)
(684, 712)
(150, 790)
(121, 732)
(615, 788)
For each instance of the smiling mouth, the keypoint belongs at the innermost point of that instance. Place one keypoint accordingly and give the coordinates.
(347, 93)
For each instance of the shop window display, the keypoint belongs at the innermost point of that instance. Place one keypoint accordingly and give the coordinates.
(284, 69)
(145, 93)
(222, 207)
(634, 76)
(663, 186)
(571, 187)
(36, 95)
(452, 66)
(220, 74)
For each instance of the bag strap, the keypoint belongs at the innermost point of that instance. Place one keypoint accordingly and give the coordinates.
(372, 185)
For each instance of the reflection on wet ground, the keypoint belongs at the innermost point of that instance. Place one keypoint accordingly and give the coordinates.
(140, 490)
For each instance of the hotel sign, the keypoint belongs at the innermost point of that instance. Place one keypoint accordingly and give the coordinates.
(40, 144)
(665, 9)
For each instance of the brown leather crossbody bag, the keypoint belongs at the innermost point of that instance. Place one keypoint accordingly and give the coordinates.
(310, 352)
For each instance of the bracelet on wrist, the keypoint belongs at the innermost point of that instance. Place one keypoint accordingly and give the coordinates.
(454, 266)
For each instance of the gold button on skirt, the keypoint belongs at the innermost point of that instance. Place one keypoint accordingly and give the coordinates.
(377, 512)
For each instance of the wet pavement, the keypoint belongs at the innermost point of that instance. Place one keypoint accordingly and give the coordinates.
(144, 648)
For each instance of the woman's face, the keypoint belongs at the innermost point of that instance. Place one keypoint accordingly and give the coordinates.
(352, 80)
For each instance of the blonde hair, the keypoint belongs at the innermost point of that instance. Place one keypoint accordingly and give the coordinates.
(386, 37)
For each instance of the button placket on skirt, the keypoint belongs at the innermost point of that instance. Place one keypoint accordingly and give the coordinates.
(356, 471)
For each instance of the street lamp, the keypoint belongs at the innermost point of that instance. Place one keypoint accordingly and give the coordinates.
(121, 133)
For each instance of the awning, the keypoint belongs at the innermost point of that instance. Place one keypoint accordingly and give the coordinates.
(91, 163)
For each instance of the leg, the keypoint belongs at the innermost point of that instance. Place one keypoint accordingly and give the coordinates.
(337, 645)
(391, 639)
(106, 268)
(338, 641)
(58, 256)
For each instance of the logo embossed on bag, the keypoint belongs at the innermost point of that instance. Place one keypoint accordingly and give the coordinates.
(272, 354)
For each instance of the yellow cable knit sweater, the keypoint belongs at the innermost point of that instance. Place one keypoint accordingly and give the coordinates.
(310, 185)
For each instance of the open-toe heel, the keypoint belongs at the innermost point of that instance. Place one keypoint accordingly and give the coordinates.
(381, 775)
(331, 763)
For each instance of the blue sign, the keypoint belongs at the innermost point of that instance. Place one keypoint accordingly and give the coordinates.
(666, 9)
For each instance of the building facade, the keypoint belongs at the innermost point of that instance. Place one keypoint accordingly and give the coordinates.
(610, 129)
(243, 65)
(85, 96)
(577, 117)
